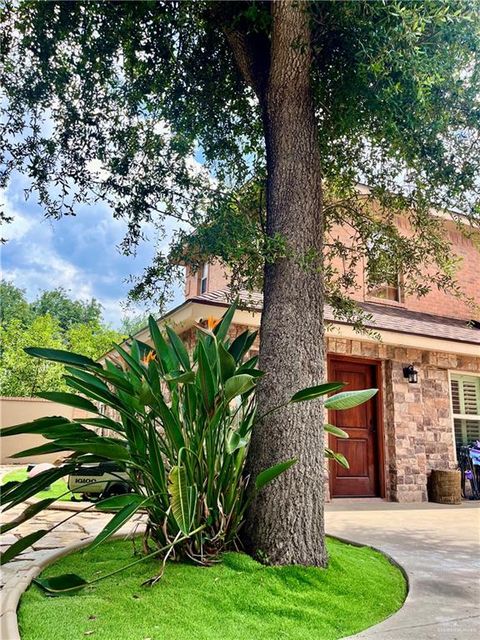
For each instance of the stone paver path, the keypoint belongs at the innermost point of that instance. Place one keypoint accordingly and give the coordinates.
(439, 547)
(77, 528)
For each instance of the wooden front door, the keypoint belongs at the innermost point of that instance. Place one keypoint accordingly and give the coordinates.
(361, 423)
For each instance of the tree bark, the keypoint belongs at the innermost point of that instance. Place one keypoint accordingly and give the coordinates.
(286, 522)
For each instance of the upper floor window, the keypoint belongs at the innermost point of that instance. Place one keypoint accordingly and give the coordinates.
(391, 289)
(382, 274)
(465, 392)
(204, 277)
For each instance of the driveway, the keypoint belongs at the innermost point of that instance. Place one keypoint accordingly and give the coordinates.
(438, 546)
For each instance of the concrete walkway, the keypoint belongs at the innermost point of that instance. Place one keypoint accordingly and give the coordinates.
(439, 547)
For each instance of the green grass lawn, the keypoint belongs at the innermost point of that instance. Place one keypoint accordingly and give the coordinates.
(238, 599)
(56, 490)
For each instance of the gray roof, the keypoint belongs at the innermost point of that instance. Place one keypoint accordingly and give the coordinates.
(382, 317)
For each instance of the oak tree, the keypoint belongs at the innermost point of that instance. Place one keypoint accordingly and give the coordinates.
(251, 124)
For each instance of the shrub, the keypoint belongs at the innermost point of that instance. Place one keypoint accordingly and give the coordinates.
(181, 432)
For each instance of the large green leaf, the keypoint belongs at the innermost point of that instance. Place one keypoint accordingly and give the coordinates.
(41, 425)
(237, 385)
(180, 377)
(116, 503)
(182, 498)
(17, 547)
(205, 376)
(251, 337)
(227, 362)
(68, 583)
(310, 393)
(116, 377)
(120, 518)
(63, 429)
(267, 475)
(104, 396)
(32, 486)
(156, 465)
(237, 348)
(222, 327)
(132, 363)
(65, 357)
(69, 399)
(163, 351)
(144, 349)
(235, 441)
(242, 344)
(105, 448)
(179, 348)
(335, 431)
(41, 450)
(170, 423)
(338, 457)
(349, 399)
(102, 422)
(87, 377)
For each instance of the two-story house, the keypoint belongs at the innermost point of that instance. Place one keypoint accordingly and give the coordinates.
(426, 366)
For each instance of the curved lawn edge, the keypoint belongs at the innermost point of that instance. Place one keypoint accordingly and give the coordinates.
(390, 558)
(15, 587)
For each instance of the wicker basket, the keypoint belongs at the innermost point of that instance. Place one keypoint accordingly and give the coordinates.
(444, 486)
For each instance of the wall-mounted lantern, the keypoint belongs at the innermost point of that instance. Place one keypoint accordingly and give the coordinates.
(411, 373)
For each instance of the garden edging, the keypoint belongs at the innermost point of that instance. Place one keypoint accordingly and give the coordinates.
(16, 586)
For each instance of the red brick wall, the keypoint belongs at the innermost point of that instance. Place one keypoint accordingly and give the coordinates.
(217, 279)
(468, 276)
(436, 302)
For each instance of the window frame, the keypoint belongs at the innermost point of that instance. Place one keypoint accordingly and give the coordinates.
(370, 293)
(203, 278)
(452, 375)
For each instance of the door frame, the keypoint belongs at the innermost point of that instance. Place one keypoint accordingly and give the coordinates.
(378, 400)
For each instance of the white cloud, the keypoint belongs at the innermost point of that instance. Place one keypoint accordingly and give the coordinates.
(79, 254)
(46, 270)
(97, 168)
(20, 225)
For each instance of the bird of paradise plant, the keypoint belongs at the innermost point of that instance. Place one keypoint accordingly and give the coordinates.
(181, 432)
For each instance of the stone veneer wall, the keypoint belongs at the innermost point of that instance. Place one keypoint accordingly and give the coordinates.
(418, 429)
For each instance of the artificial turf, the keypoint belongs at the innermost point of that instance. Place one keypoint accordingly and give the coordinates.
(237, 599)
(56, 490)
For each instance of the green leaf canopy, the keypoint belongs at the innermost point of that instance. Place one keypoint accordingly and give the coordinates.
(395, 86)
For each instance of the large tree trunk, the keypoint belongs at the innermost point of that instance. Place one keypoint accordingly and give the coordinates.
(286, 522)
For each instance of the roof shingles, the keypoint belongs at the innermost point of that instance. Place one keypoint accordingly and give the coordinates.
(382, 317)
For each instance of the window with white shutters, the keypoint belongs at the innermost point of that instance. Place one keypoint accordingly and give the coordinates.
(465, 392)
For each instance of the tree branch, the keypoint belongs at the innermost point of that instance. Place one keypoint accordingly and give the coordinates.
(248, 41)
(251, 52)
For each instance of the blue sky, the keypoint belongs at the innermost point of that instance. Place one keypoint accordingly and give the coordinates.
(78, 253)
